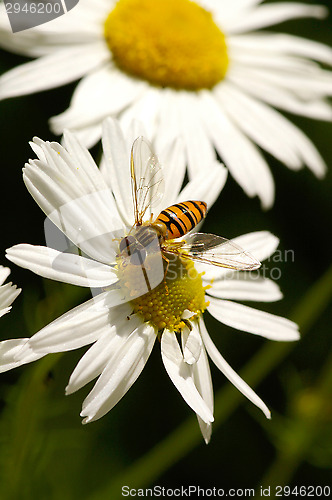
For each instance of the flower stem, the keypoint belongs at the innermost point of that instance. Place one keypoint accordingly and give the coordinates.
(181, 441)
(30, 398)
(305, 427)
(22, 417)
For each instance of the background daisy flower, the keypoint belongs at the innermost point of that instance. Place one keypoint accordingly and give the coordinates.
(8, 292)
(89, 206)
(195, 69)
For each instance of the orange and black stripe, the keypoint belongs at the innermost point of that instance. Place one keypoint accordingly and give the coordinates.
(179, 219)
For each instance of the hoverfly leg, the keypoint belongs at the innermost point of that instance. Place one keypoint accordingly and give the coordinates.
(165, 272)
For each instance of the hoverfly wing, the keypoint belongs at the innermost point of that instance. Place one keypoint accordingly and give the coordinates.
(215, 250)
(147, 180)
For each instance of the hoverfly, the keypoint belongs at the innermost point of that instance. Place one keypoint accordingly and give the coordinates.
(172, 223)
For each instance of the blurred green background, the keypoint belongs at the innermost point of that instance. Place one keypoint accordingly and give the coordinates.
(45, 452)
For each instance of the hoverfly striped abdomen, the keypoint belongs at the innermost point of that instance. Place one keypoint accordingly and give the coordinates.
(181, 218)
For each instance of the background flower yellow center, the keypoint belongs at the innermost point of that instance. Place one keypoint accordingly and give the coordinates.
(170, 43)
(163, 307)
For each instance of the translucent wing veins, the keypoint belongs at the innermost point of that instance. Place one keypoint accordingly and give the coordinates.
(147, 179)
(215, 250)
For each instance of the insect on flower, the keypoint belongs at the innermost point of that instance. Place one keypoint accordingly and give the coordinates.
(165, 233)
(124, 320)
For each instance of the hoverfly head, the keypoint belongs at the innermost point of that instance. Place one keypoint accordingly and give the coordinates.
(127, 245)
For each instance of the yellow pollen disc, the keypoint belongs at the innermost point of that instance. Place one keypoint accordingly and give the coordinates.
(169, 43)
(164, 305)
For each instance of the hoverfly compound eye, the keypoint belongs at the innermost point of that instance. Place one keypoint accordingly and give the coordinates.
(131, 247)
(125, 244)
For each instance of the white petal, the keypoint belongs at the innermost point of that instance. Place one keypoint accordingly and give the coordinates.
(262, 244)
(285, 63)
(187, 314)
(94, 361)
(308, 151)
(180, 374)
(202, 379)
(261, 124)
(85, 14)
(89, 135)
(80, 326)
(203, 382)
(65, 267)
(123, 369)
(4, 273)
(118, 167)
(272, 131)
(253, 321)
(53, 70)
(71, 191)
(169, 127)
(73, 28)
(4, 311)
(88, 17)
(241, 286)
(145, 109)
(224, 13)
(174, 161)
(20, 43)
(199, 149)
(206, 185)
(281, 43)
(280, 97)
(80, 156)
(316, 85)
(8, 294)
(289, 66)
(104, 92)
(132, 131)
(239, 154)
(229, 8)
(270, 14)
(232, 376)
(192, 347)
(10, 354)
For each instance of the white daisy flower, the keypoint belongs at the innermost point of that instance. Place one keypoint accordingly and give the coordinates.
(199, 69)
(8, 292)
(93, 209)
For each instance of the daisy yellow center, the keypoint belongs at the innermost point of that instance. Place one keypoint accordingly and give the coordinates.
(180, 291)
(169, 43)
